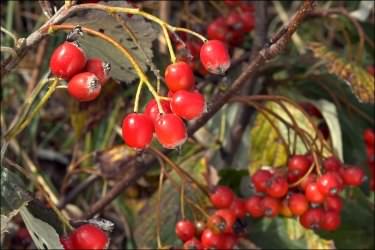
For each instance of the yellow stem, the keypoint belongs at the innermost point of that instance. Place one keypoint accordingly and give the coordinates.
(137, 96)
(174, 29)
(169, 43)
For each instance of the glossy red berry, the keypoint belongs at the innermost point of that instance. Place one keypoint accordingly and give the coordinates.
(185, 230)
(89, 236)
(217, 30)
(260, 179)
(307, 180)
(222, 197)
(369, 137)
(248, 18)
(298, 204)
(215, 57)
(229, 241)
(152, 110)
(298, 164)
(170, 130)
(254, 207)
(84, 87)
(137, 130)
(188, 105)
(236, 28)
(353, 176)
(179, 76)
(329, 183)
(193, 244)
(99, 68)
(277, 187)
(67, 60)
(66, 242)
(229, 217)
(313, 194)
(216, 224)
(312, 218)
(332, 164)
(210, 240)
(330, 221)
(238, 207)
(271, 206)
(333, 203)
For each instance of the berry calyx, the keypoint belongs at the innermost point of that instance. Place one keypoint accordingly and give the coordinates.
(67, 60)
(185, 230)
(179, 76)
(214, 57)
(254, 207)
(216, 223)
(222, 197)
(312, 218)
(277, 187)
(170, 130)
(298, 204)
(137, 130)
(188, 105)
(89, 236)
(99, 68)
(152, 110)
(260, 179)
(330, 221)
(84, 87)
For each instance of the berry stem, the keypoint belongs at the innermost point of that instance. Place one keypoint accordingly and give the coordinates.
(175, 29)
(158, 214)
(182, 197)
(169, 43)
(137, 96)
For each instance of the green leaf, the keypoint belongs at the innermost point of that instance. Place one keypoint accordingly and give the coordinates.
(103, 22)
(361, 82)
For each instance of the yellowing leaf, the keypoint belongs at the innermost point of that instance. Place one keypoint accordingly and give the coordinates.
(361, 82)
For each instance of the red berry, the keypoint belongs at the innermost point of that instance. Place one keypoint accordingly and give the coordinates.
(236, 28)
(353, 176)
(238, 207)
(330, 221)
(67, 60)
(254, 206)
(89, 237)
(260, 179)
(188, 105)
(312, 218)
(229, 241)
(185, 230)
(271, 206)
(248, 19)
(66, 242)
(277, 187)
(210, 240)
(298, 204)
(152, 110)
(369, 137)
(179, 76)
(332, 164)
(99, 68)
(170, 130)
(84, 87)
(310, 158)
(216, 224)
(313, 193)
(307, 180)
(137, 130)
(214, 57)
(229, 217)
(333, 203)
(298, 164)
(222, 197)
(193, 244)
(217, 30)
(329, 183)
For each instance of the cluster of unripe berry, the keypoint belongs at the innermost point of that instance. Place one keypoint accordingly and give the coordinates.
(369, 138)
(87, 236)
(183, 102)
(85, 77)
(233, 28)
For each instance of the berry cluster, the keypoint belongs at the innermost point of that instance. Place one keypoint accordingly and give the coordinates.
(87, 236)
(369, 138)
(232, 28)
(85, 76)
(183, 102)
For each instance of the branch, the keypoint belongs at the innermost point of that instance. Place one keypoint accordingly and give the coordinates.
(134, 171)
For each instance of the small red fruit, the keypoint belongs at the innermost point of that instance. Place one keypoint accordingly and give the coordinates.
(298, 204)
(307, 180)
(277, 187)
(217, 30)
(179, 76)
(216, 224)
(215, 57)
(353, 176)
(229, 217)
(369, 137)
(298, 164)
(170, 130)
(333, 203)
(238, 207)
(89, 236)
(66, 242)
(332, 164)
(84, 87)
(329, 183)
(312, 218)
(260, 179)
(271, 206)
(193, 244)
(67, 60)
(229, 241)
(152, 110)
(254, 207)
(185, 230)
(210, 240)
(330, 221)
(313, 193)
(137, 130)
(99, 68)
(188, 105)
(248, 19)
(222, 197)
